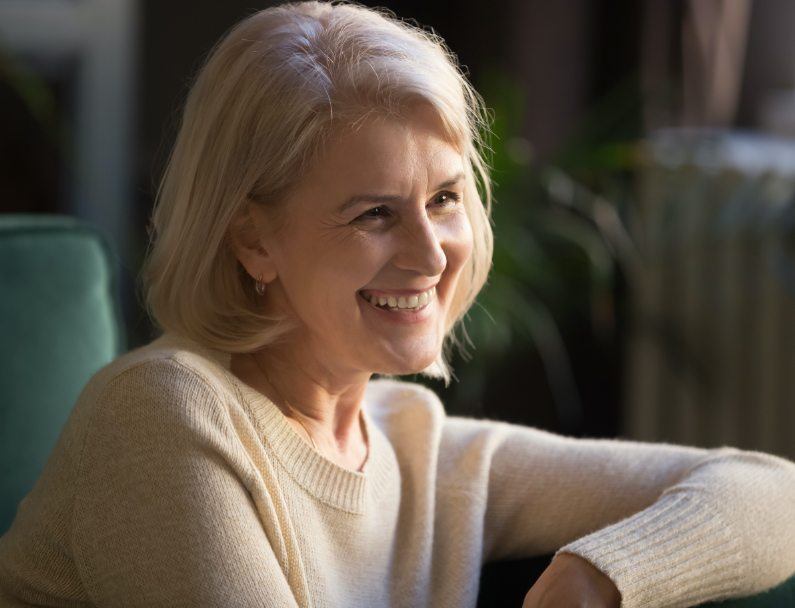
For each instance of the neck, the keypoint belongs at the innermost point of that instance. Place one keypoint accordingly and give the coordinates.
(328, 411)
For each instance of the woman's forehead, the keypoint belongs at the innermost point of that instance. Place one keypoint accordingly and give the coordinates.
(390, 149)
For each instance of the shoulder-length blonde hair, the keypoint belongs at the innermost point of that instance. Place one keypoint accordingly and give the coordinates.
(268, 96)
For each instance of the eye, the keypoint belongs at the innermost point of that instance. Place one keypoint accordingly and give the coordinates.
(452, 198)
(367, 215)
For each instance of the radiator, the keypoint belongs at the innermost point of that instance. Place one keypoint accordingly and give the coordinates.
(711, 340)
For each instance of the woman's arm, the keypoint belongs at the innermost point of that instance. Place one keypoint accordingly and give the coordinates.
(666, 523)
(162, 515)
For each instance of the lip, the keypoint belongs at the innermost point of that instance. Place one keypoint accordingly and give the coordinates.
(402, 317)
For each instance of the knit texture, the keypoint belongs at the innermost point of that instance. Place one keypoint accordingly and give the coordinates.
(174, 483)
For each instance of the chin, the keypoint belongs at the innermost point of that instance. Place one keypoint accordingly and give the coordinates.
(407, 368)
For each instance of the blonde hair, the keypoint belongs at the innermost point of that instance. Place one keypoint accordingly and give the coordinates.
(268, 97)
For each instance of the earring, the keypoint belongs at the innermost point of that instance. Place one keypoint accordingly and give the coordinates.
(259, 286)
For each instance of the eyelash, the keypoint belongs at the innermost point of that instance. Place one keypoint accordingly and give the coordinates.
(454, 197)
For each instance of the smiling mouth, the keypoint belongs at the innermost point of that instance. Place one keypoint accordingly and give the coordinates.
(401, 304)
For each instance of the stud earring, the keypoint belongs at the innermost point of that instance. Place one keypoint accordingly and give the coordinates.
(259, 286)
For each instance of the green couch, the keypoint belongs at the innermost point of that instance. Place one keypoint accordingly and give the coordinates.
(60, 322)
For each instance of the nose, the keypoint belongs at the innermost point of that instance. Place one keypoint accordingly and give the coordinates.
(420, 248)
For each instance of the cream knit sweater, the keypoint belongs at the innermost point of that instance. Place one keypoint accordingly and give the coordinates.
(173, 483)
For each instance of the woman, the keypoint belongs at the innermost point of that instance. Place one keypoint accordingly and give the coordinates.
(320, 221)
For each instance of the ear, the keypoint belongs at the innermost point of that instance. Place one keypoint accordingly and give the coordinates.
(246, 237)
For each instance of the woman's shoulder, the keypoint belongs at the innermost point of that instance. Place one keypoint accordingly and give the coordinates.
(168, 369)
(389, 399)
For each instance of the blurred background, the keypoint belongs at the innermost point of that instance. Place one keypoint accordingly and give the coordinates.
(644, 277)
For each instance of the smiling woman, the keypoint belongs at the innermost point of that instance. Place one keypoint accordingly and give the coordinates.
(325, 217)
(307, 118)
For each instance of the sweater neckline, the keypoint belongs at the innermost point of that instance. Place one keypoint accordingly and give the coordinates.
(323, 478)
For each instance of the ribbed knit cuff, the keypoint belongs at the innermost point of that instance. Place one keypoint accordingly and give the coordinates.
(680, 551)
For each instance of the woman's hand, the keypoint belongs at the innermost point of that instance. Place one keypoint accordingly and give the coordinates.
(572, 582)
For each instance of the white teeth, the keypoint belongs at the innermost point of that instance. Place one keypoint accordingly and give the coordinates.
(410, 302)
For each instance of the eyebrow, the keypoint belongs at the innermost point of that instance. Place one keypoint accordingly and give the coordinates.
(390, 198)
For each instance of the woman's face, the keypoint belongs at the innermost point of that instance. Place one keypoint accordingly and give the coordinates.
(339, 244)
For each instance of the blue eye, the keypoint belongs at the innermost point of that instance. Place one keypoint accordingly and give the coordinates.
(453, 199)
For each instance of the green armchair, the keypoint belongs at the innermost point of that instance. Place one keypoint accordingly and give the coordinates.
(60, 322)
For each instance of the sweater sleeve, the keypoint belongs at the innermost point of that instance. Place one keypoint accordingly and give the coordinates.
(671, 525)
(162, 515)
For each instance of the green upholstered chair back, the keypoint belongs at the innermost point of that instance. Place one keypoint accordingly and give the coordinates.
(59, 323)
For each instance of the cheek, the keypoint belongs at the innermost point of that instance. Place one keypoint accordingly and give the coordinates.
(366, 251)
(350, 268)
(460, 241)
(336, 257)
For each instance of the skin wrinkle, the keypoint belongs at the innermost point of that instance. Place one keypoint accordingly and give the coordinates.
(316, 265)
